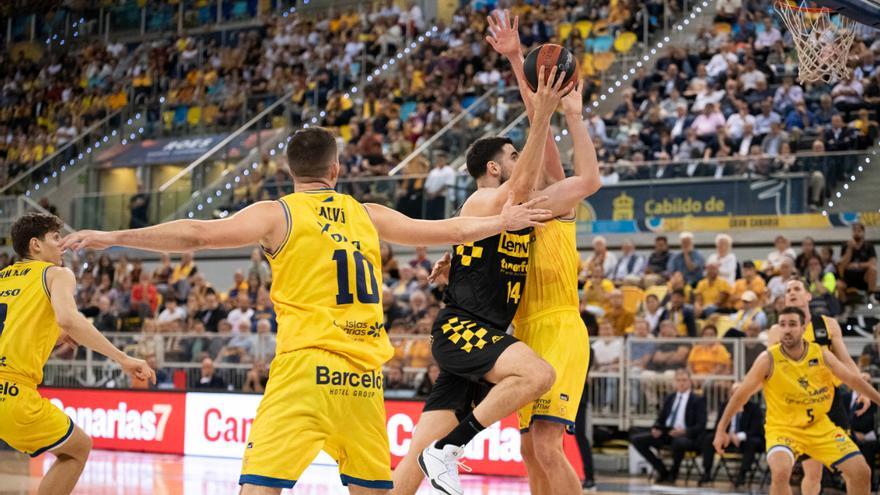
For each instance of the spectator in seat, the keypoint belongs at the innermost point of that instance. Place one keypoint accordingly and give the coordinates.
(870, 357)
(239, 285)
(753, 348)
(421, 260)
(393, 310)
(106, 320)
(212, 312)
(260, 267)
(825, 111)
(172, 318)
(799, 118)
(751, 76)
(772, 143)
(864, 429)
(680, 425)
(776, 285)
(746, 438)
(144, 297)
(394, 378)
(750, 312)
(858, 263)
(658, 260)
(652, 313)
(264, 309)
(240, 316)
(608, 350)
(787, 95)
(162, 274)
(257, 378)
(237, 348)
(707, 123)
(441, 177)
(208, 378)
(736, 122)
(808, 250)
(602, 257)
(823, 287)
(597, 289)
(263, 346)
(712, 293)
(617, 316)
(725, 258)
(427, 384)
(839, 137)
(629, 263)
(139, 206)
(847, 94)
(163, 377)
(709, 357)
(765, 119)
(744, 146)
(680, 314)
(180, 277)
(688, 261)
(768, 36)
(750, 281)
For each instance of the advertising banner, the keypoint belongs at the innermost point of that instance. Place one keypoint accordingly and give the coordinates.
(130, 420)
(637, 200)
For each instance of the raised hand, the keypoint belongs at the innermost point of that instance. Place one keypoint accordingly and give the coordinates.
(504, 34)
(573, 102)
(549, 93)
(525, 215)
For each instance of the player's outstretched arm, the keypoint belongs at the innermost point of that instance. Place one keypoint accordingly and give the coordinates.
(751, 384)
(398, 228)
(527, 173)
(252, 225)
(61, 284)
(852, 380)
(504, 38)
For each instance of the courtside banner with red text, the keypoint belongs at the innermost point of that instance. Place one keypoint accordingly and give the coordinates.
(218, 425)
(130, 420)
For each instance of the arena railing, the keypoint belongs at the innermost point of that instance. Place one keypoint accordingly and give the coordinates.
(236, 182)
(626, 396)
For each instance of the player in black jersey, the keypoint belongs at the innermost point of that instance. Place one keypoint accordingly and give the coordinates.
(480, 363)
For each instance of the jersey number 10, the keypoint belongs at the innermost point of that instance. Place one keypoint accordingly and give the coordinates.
(361, 267)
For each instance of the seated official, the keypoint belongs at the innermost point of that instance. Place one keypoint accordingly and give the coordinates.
(680, 426)
(746, 437)
(864, 430)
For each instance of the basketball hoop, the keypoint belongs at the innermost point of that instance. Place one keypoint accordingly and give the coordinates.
(822, 38)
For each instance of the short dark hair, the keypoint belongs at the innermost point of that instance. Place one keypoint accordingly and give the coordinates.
(661, 238)
(29, 226)
(793, 310)
(748, 264)
(483, 151)
(311, 152)
(678, 292)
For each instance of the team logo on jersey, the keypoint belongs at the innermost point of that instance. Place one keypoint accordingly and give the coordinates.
(563, 397)
(516, 245)
(813, 362)
(839, 437)
(467, 253)
(496, 338)
(803, 382)
(360, 328)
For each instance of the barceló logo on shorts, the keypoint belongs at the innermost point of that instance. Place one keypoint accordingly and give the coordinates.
(9, 389)
(326, 376)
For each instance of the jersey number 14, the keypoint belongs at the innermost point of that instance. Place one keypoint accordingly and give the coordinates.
(361, 267)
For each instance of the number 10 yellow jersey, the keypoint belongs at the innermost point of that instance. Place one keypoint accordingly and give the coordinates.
(327, 279)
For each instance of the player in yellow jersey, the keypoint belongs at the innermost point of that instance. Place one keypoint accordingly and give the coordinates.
(548, 318)
(825, 332)
(550, 325)
(798, 380)
(37, 309)
(325, 382)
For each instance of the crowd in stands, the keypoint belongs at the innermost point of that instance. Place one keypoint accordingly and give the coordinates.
(732, 95)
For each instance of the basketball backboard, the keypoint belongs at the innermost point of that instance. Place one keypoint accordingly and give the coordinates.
(866, 12)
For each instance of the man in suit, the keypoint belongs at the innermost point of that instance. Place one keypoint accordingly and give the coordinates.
(747, 438)
(680, 425)
(863, 430)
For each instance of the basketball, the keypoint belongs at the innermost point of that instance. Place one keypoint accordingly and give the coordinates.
(548, 55)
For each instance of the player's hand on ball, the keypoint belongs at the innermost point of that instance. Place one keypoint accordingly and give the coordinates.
(721, 441)
(504, 34)
(573, 102)
(440, 272)
(93, 239)
(525, 215)
(549, 93)
(138, 368)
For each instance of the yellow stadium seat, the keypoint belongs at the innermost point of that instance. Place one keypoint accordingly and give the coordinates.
(584, 27)
(722, 27)
(603, 61)
(759, 265)
(194, 115)
(632, 297)
(168, 119)
(209, 115)
(564, 31)
(625, 42)
(657, 290)
(586, 68)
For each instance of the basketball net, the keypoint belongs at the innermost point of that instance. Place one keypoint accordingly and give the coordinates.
(822, 39)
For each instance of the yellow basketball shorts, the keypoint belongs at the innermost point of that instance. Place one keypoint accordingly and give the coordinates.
(823, 441)
(559, 337)
(28, 422)
(317, 400)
